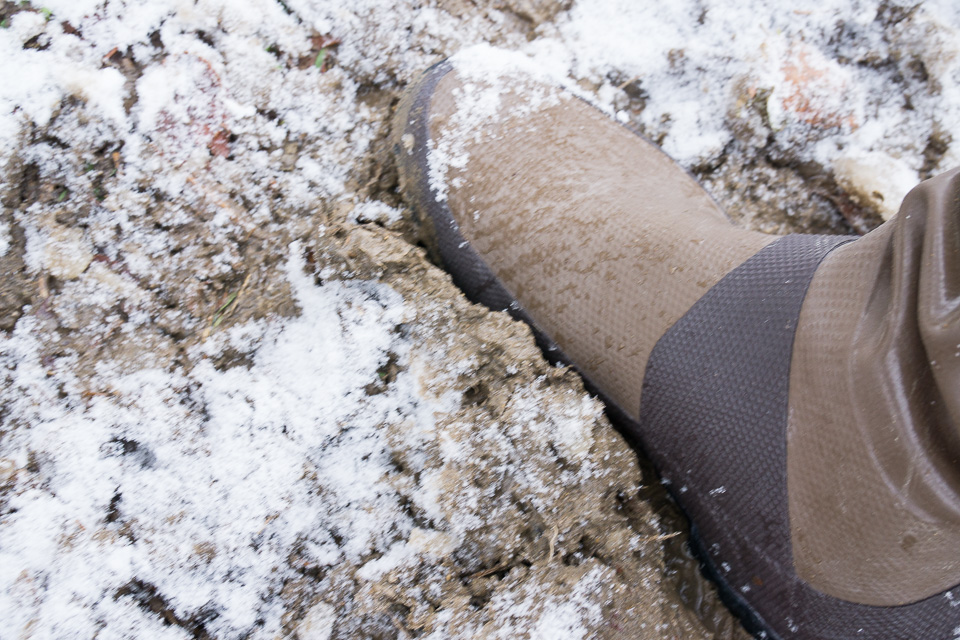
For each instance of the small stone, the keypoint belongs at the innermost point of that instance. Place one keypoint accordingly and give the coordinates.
(66, 254)
(427, 541)
(291, 153)
(8, 471)
(875, 180)
(318, 623)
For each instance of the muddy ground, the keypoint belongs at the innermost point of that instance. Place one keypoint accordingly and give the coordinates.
(156, 234)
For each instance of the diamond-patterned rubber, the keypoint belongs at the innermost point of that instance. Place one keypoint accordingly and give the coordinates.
(713, 418)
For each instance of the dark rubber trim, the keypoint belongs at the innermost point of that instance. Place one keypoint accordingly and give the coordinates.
(713, 418)
(469, 271)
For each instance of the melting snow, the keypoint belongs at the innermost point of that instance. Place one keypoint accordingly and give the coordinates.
(220, 475)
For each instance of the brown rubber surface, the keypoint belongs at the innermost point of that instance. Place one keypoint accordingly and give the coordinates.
(602, 239)
(874, 434)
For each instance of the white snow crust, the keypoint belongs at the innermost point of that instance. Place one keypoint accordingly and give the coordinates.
(289, 454)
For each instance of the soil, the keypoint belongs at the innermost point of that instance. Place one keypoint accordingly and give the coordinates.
(123, 259)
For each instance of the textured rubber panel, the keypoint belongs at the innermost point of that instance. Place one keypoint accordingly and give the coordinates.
(713, 419)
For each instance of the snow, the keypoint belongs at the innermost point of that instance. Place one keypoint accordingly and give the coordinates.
(221, 474)
(689, 67)
(375, 211)
(803, 58)
(565, 619)
(486, 75)
(218, 503)
(4, 237)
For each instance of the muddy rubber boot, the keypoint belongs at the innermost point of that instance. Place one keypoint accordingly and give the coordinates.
(799, 395)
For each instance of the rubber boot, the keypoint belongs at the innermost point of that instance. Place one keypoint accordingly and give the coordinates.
(783, 387)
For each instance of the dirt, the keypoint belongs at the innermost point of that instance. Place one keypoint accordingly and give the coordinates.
(546, 533)
(535, 549)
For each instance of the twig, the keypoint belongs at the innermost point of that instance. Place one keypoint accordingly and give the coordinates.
(552, 541)
(227, 308)
(489, 572)
(661, 537)
(623, 85)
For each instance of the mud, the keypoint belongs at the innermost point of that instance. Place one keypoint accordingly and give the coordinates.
(529, 526)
